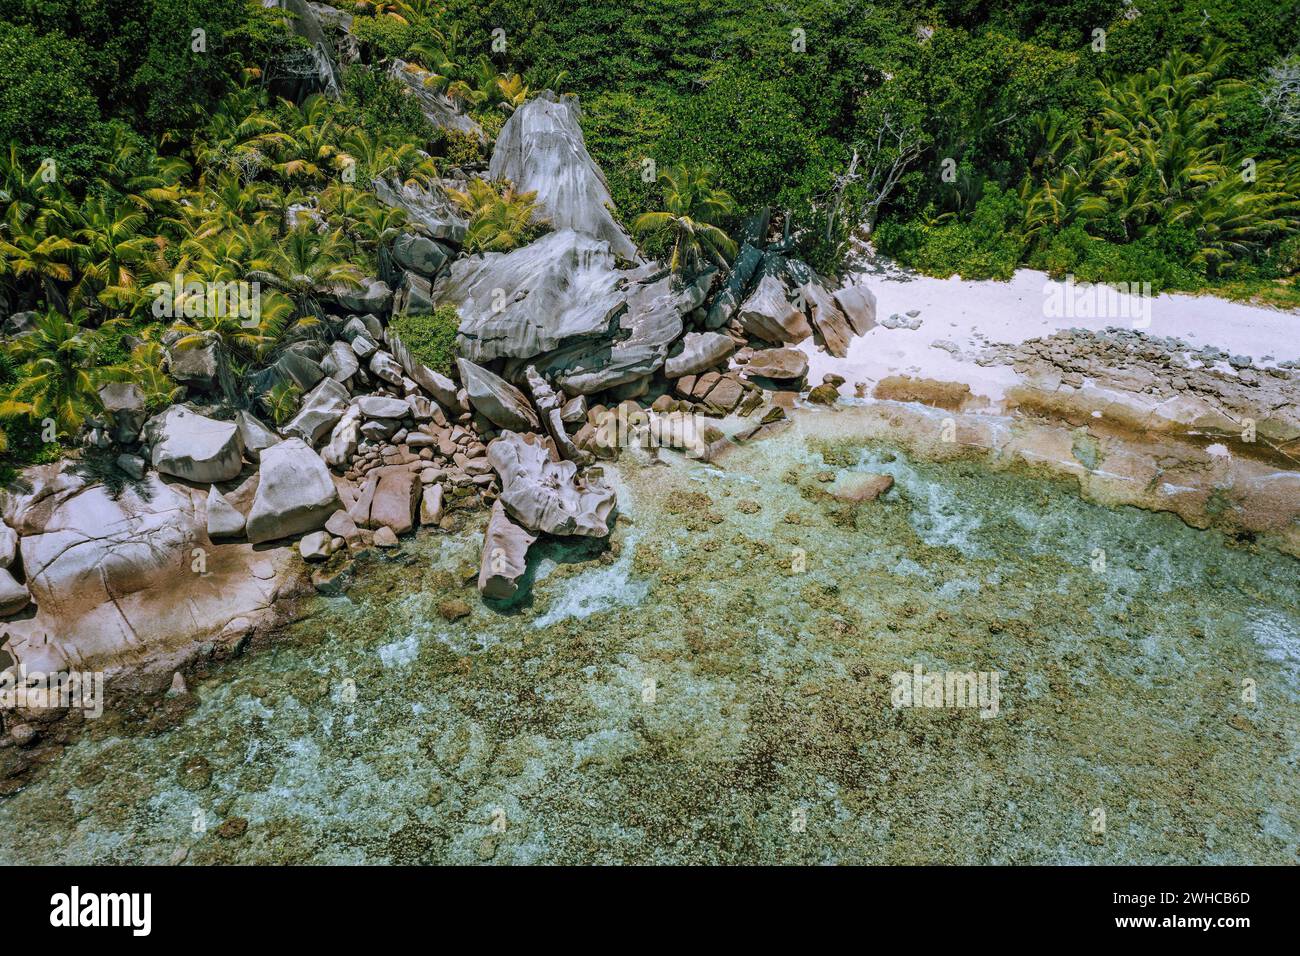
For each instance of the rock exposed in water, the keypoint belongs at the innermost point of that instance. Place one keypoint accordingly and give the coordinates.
(768, 314)
(187, 445)
(540, 149)
(546, 495)
(496, 399)
(295, 493)
(505, 555)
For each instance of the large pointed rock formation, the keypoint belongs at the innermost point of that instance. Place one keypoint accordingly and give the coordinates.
(541, 149)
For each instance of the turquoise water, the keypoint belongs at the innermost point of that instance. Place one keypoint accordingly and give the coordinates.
(717, 688)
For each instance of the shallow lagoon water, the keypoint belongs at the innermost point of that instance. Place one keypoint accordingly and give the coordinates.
(717, 688)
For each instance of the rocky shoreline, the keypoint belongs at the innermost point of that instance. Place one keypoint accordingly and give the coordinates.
(215, 524)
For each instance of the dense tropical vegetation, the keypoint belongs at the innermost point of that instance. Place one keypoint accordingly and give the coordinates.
(1153, 140)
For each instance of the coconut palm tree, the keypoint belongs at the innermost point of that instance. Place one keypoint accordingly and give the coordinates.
(33, 253)
(693, 207)
(111, 247)
(56, 372)
(499, 219)
(307, 267)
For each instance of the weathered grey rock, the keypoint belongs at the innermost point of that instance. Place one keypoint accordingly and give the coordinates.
(548, 404)
(443, 389)
(364, 346)
(187, 445)
(574, 411)
(14, 595)
(342, 444)
(830, 323)
(295, 493)
(429, 208)
(317, 546)
(545, 495)
(197, 365)
(321, 410)
(700, 351)
(420, 254)
(223, 520)
(132, 465)
(8, 545)
(414, 295)
(389, 499)
(768, 314)
(778, 364)
(18, 324)
(384, 366)
(255, 436)
(726, 302)
(124, 408)
(505, 555)
(859, 306)
(534, 299)
(379, 430)
(340, 363)
(382, 406)
(371, 295)
(541, 149)
(437, 108)
(290, 368)
(638, 347)
(113, 575)
(496, 399)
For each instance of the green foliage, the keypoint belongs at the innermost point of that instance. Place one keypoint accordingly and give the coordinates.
(46, 103)
(500, 219)
(281, 401)
(692, 209)
(431, 338)
(987, 246)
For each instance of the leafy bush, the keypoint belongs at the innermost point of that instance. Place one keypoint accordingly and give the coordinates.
(431, 338)
(45, 101)
(987, 246)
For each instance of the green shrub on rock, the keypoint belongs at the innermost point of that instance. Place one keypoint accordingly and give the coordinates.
(431, 338)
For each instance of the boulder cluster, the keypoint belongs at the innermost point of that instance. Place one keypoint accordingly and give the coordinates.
(567, 349)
